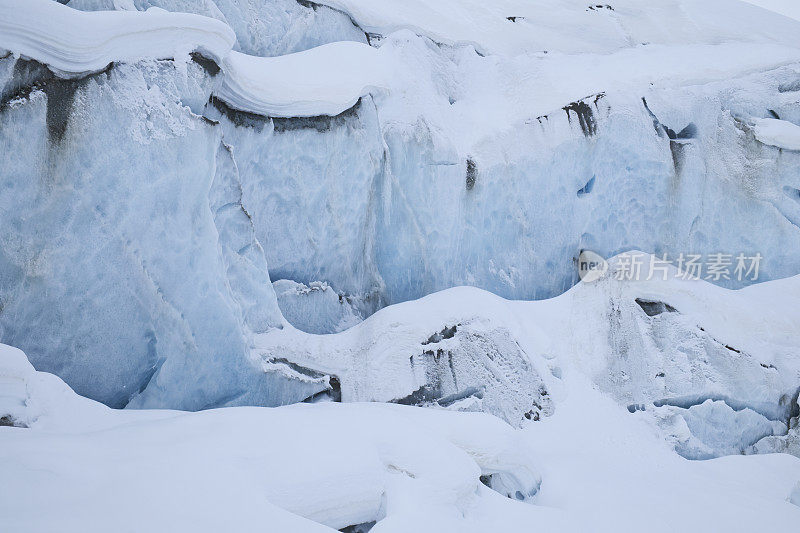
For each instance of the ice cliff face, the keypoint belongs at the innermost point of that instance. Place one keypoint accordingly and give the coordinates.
(152, 191)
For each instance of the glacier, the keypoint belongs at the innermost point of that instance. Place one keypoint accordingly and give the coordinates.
(382, 181)
(378, 211)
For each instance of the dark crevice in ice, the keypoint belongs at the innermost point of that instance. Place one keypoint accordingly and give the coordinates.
(774, 114)
(586, 189)
(422, 395)
(334, 391)
(308, 5)
(358, 528)
(448, 332)
(585, 117)
(677, 140)
(469, 392)
(688, 132)
(373, 39)
(29, 76)
(792, 193)
(10, 421)
(599, 7)
(655, 308)
(208, 65)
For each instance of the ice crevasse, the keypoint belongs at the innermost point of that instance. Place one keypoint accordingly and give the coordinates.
(158, 177)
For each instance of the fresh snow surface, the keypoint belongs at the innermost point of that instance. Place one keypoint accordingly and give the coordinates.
(322, 81)
(780, 133)
(789, 8)
(74, 43)
(567, 25)
(70, 464)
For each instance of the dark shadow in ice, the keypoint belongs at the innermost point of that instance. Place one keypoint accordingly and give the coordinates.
(654, 308)
(586, 189)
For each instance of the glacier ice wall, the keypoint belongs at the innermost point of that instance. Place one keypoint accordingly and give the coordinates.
(144, 218)
(129, 266)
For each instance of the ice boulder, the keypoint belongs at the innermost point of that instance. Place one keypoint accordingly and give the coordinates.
(316, 307)
(713, 429)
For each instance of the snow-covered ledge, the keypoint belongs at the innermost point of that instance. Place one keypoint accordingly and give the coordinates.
(322, 81)
(75, 43)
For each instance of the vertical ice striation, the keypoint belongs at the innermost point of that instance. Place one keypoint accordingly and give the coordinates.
(129, 266)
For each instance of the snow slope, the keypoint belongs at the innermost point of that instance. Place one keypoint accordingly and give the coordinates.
(512, 27)
(788, 8)
(74, 465)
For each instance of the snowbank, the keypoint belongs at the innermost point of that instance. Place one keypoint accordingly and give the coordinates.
(74, 43)
(322, 81)
(318, 468)
(779, 133)
(284, 468)
(672, 341)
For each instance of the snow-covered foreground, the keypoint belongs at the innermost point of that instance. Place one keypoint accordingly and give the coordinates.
(159, 174)
(71, 464)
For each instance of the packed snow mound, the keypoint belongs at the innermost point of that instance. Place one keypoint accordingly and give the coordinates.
(74, 43)
(325, 80)
(325, 467)
(778, 133)
(671, 341)
(336, 465)
(428, 352)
